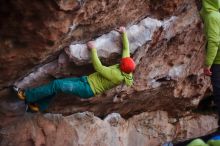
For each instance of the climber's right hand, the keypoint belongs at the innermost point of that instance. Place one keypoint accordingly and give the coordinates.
(207, 71)
(121, 29)
(91, 45)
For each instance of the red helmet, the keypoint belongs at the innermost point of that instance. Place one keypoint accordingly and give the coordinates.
(127, 65)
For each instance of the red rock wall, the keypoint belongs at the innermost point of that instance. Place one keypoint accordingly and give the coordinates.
(169, 64)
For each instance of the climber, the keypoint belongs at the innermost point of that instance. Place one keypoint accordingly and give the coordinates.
(211, 18)
(38, 99)
(214, 141)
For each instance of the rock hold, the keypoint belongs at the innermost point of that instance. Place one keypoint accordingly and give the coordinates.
(110, 43)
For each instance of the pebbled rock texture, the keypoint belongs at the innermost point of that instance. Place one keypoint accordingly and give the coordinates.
(84, 129)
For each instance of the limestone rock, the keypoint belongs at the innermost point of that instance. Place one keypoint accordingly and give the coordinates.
(110, 43)
(44, 40)
(85, 129)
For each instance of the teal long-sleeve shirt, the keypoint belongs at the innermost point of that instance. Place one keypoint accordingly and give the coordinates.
(211, 17)
(108, 77)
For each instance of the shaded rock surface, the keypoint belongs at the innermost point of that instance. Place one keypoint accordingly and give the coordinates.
(44, 40)
(84, 129)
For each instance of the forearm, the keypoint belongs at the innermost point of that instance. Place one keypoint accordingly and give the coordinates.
(95, 60)
(212, 36)
(212, 49)
(103, 70)
(125, 51)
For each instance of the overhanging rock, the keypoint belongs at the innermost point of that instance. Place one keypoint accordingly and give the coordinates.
(110, 43)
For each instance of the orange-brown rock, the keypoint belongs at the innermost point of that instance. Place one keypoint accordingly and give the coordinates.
(153, 128)
(44, 40)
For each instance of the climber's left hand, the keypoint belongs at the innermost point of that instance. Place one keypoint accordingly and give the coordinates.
(91, 45)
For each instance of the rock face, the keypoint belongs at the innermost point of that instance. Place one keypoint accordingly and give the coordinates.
(43, 40)
(84, 129)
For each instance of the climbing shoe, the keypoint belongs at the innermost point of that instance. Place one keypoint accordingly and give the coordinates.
(32, 107)
(20, 93)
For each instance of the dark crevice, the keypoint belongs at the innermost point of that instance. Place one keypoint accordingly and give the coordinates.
(205, 138)
(163, 79)
(206, 105)
(31, 142)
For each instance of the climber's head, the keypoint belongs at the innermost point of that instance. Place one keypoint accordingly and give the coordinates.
(127, 65)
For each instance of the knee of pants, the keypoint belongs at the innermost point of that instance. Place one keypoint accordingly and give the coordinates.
(62, 86)
(56, 84)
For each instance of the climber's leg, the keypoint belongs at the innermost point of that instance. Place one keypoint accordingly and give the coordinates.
(75, 86)
(43, 104)
(41, 96)
(31, 107)
(215, 79)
